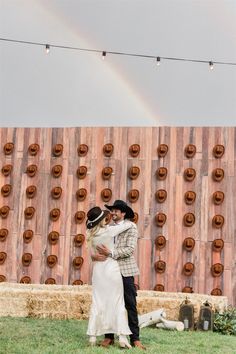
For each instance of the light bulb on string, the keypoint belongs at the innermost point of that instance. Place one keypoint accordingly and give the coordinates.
(47, 47)
(104, 53)
(211, 65)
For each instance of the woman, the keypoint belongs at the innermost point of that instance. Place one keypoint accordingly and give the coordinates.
(108, 313)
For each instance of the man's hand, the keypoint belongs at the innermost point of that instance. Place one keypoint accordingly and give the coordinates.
(98, 257)
(103, 250)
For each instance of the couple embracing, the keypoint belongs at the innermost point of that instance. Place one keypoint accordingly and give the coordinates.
(113, 310)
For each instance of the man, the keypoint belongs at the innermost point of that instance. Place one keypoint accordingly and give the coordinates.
(124, 253)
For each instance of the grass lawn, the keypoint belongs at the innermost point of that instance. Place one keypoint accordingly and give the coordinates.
(31, 336)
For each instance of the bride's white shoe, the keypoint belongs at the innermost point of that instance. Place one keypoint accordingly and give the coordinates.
(123, 342)
(92, 341)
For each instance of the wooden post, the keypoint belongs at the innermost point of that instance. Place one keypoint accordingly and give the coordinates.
(178, 325)
(151, 318)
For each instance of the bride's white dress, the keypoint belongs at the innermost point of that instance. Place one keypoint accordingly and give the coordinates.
(108, 313)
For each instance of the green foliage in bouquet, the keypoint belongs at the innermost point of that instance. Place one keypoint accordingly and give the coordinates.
(225, 322)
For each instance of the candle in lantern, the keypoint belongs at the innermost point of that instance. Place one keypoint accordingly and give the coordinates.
(205, 325)
(186, 324)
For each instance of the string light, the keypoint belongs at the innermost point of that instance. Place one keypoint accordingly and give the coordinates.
(158, 61)
(47, 46)
(211, 65)
(104, 53)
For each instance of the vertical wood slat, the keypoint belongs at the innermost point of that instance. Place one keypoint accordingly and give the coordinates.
(148, 161)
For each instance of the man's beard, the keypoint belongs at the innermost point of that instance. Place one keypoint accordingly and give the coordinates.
(115, 218)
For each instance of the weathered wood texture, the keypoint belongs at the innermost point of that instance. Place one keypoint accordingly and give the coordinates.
(173, 254)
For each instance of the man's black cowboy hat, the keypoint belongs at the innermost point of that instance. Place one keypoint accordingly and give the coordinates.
(123, 207)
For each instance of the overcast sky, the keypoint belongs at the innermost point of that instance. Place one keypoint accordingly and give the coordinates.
(74, 88)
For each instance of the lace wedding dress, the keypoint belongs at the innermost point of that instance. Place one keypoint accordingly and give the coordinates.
(108, 313)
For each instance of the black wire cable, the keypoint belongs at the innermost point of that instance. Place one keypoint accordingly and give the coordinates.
(48, 46)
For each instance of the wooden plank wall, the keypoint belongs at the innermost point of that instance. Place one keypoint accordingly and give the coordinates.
(174, 230)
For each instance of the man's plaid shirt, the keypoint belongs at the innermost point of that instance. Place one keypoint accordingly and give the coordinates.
(125, 245)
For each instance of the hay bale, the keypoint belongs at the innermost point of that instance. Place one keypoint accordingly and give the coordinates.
(55, 304)
(71, 301)
(45, 301)
(148, 301)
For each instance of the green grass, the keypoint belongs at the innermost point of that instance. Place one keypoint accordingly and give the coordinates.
(33, 336)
